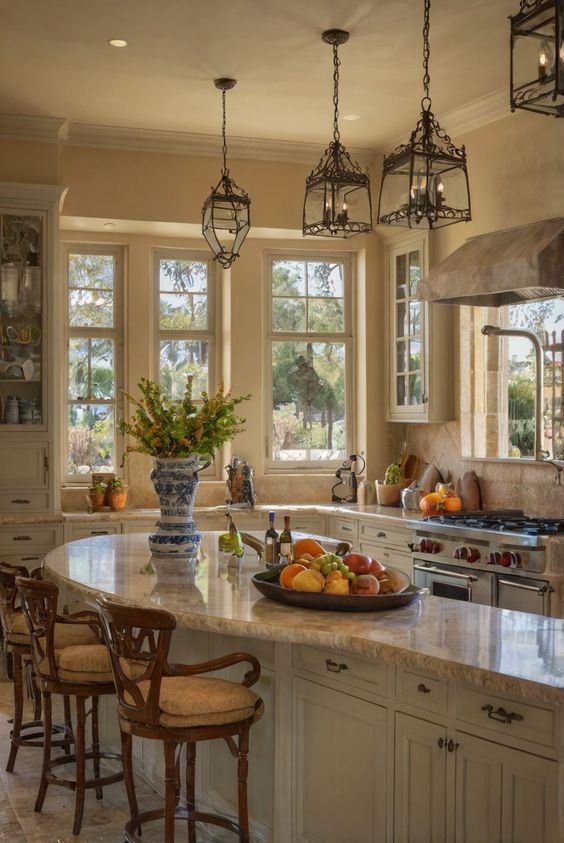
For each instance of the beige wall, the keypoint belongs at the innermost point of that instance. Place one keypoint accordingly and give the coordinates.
(516, 172)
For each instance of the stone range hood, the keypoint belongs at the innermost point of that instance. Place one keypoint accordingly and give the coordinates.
(504, 267)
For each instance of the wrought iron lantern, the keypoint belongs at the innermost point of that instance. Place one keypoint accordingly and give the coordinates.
(226, 213)
(337, 198)
(537, 57)
(425, 181)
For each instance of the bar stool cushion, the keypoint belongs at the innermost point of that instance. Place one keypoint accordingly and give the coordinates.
(201, 701)
(66, 634)
(81, 663)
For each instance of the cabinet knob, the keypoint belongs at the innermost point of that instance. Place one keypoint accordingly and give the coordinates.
(441, 742)
(452, 746)
(381, 535)
(333, 667)
(423, 689)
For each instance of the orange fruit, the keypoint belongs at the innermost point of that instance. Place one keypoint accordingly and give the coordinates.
(429, 505)
(453, 504)
(307, 545)
(289, 572)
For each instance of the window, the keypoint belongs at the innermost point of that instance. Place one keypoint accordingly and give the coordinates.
(93, 359)
(310, 352)
(546, 320)
(185, 319)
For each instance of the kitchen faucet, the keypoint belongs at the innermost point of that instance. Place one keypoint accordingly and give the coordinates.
(494, 331)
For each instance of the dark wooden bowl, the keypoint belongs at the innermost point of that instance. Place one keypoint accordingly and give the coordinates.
(267, 583)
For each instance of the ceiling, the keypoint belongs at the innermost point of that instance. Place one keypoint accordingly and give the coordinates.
(56, 61)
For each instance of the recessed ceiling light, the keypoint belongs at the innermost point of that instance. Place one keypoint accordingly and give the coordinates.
(118, 42)
(351, 117)
(109, 225)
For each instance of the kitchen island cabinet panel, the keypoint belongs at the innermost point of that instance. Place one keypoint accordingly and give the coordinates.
(419, 781)
(340, 762)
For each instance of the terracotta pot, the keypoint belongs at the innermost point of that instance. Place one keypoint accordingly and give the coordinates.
(390, 495)
(117, 499)
(97, 499)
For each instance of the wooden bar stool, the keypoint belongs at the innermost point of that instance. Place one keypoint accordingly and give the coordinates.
(18, 643)
(75, 670)
(175, 704)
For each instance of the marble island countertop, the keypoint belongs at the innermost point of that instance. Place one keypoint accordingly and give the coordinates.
(511, 652)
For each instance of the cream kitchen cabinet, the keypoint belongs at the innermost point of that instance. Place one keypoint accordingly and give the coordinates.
(339, 767)
(29, 312)
(344, 529)
(390, 545)
(450, 785)
(419, 341)
(27, 544)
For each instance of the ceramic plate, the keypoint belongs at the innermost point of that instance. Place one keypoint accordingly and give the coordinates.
(267, 583)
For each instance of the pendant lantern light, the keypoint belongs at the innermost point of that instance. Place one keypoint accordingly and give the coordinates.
(226, 211)
(537, 57)
(337, 198)
(425, 181)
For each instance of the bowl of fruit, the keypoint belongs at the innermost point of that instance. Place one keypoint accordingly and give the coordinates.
(320, 579)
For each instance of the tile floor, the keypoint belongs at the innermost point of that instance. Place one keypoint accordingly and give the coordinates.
(103, 821)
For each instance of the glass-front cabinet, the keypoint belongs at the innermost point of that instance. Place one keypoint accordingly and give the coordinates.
(22, 269)
(29, 428)
(420, 382)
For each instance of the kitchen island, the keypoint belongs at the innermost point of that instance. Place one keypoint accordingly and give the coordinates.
(435, 722)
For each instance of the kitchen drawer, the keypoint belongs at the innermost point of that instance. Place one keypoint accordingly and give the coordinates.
(24, 501)
(31, 559)
(532, 723)
(138, 526)
(345, 528)
(310, 524)
(389, 556)
(389, 536)
(85, 531)
(419, 689)
(342, 667)
(24, 466)
(18, 539)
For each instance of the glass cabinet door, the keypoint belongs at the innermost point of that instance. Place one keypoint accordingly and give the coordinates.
(407, 385)
(22, 267)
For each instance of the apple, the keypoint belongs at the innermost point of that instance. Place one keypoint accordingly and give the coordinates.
(366, 584)
(358, 563)
(376, 567)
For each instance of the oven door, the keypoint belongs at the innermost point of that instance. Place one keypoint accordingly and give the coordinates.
(524, 595)
(455, 583)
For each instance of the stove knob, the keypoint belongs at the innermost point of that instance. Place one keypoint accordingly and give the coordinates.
(467, 553)
(493, 558)
(509, 559)
(436, 547)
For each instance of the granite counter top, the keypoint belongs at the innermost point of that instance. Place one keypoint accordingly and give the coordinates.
(510, 652)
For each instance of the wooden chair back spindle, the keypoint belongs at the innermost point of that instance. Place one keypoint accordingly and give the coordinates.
(39, 604)
(9, 599)
(138, 642)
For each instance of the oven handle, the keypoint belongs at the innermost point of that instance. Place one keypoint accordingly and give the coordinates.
(432, 569)
(540, 590)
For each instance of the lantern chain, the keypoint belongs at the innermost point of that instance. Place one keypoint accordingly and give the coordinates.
(336, 65)
(223, 130)
(426, 101)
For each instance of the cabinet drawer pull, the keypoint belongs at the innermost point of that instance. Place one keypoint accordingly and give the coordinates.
(381, 535)
(501, 715)
(423, 689)
(22, 538)
(333, 667)
(99, 533)
(30, 558)
(20, 500)
(344, 528)
(452, 746)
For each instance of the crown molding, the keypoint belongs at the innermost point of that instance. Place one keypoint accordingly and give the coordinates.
(466, 118)
(34, 128)
(209, 146)
(471, 116)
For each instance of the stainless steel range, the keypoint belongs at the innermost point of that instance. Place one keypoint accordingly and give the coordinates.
(497, 558)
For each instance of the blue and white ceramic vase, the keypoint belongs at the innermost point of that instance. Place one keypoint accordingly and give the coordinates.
(176, 481)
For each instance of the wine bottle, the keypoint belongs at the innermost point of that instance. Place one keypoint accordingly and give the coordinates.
(271, 542)
(286, 543)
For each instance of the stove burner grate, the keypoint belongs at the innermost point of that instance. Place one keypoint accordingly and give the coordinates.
(511, 524)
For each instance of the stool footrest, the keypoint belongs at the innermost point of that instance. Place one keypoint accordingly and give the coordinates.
(101, 781)
(134, 825)
(37, 738)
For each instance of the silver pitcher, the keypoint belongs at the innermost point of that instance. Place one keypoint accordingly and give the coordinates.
(410, 498)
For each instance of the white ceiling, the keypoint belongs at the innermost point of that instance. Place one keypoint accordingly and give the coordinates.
(55, 60)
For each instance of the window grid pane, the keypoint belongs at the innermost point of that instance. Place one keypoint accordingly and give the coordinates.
(408, 328)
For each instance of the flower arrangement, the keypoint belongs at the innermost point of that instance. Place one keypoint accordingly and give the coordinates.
(166, 428)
